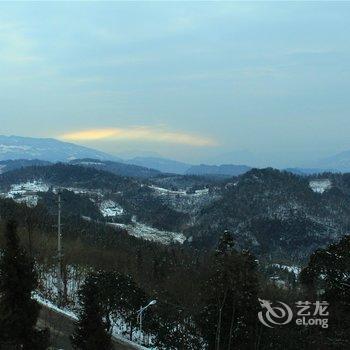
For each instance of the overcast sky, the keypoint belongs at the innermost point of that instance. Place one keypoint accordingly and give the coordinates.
(192, 81)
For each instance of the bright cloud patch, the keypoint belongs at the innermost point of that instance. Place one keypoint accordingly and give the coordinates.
(139, 133)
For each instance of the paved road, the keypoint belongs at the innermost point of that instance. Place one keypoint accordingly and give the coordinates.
(61, 327)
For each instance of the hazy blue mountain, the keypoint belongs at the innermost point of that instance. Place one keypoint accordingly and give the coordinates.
(238, 157)
(225, 169)
(308, 171)
(339, 162)
(16, 147)
(117, 168)
(162, 164)
(133, 153)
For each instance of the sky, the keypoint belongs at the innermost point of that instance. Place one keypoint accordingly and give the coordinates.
(218, 82)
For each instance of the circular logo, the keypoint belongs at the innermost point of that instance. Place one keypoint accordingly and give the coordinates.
(277, 315)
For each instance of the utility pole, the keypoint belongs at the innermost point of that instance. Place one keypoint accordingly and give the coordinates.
(59, 251)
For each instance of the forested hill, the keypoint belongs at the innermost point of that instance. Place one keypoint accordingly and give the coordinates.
(61, 174)
(112, 193)
(272, 213)
(277, 213)
(117, 168)
(9, 165)
(224, 169)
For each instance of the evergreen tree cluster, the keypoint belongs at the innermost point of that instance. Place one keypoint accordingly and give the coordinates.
(18, 310)
(91, 329)
(327, 277)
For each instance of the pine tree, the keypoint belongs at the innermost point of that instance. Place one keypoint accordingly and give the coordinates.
(228, 319)
(327, 277)
(91, 330)
(134, 298)
(113, 294)
(226, 244)
(18, 311)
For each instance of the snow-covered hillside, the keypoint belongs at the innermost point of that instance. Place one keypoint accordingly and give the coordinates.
(185, 201)
(109, 208)
(149, 233)
(29, 193)
(26, 192)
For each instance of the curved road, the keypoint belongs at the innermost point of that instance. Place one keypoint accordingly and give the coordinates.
(61, 327)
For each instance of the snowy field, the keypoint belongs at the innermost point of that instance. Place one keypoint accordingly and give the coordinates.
(295, 269)
(26, 192)
(189, 203)
(93, 194)
(150, 233)
(320, 186)
(109, 208)
(25, 187)
(166, 192)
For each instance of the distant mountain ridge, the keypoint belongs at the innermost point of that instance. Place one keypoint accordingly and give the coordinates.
(52, 150)
(308, 171)
(47, 149)
(339, 162)
(162, 164)
(224, 169)
(117, 168)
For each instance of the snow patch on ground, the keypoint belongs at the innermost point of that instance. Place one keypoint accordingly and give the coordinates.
(92, 163)
(30, 201)
(149, 233)
(26, 192)
(9, 148)
(189, 202)
(73, 316)
(166, 192)
(109, 208)
(83, 191)
(30, 186)
(52, 306)
(320, 186)
(290, 268)
(75, 278)
(201, 192)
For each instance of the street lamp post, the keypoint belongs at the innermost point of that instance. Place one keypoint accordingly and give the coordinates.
(140, 313)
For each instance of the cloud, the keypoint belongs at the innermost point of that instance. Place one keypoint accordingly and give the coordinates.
(141, 133)
(16, 46)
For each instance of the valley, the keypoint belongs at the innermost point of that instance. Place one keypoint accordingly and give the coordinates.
(161, 228)
(266, 210)
(150, 227)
